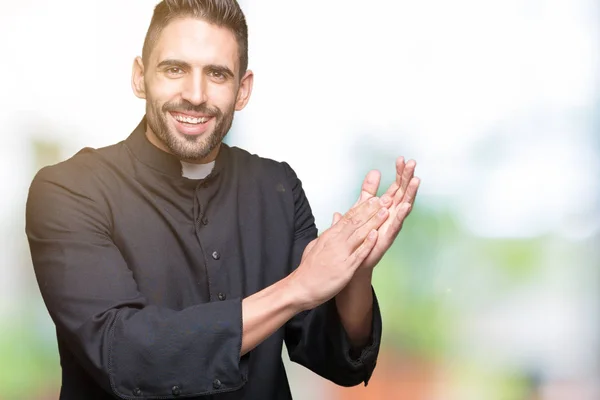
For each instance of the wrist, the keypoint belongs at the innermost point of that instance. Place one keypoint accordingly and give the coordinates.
(295, 294)
(359, 285)
(361, 278)
(355, 307)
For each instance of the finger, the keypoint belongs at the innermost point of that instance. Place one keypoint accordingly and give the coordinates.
(360, 208)
(336, 218)
(411, 191)
(400, 164)
(398, 221)
(359, 215)
(360, 254)
(375, 222)
(393, 189)
(369, 187)
(407, 174)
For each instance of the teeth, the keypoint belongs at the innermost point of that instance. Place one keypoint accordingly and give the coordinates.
(191, 120)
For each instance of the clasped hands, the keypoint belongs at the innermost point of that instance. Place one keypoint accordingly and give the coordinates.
(358, 239)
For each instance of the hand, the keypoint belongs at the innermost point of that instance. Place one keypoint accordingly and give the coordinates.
(402, 192)
(330, 261)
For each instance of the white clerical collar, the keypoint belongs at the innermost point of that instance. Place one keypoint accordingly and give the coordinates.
(196, 171)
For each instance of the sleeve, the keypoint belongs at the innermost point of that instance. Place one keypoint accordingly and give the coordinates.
(317, 339)
(129, 347)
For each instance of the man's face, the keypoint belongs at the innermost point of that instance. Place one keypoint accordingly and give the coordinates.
(192, 88)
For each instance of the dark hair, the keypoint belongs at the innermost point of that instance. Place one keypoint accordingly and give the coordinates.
(223, 13)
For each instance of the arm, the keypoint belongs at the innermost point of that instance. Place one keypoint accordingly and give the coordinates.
(355, 307)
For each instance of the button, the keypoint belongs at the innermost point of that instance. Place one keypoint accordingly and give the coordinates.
(222, 296)
(137, 392)
(216, 384)
(216, 255)
(176, 390)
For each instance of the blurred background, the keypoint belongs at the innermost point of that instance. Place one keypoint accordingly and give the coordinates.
(491, 290)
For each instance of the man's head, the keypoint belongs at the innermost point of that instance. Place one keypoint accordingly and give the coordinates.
(193, 75)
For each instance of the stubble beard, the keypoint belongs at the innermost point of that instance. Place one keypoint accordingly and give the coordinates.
(188, 147)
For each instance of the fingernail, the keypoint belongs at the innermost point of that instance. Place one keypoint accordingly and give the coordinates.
(385, 200)
(373, 200)
(372, 234)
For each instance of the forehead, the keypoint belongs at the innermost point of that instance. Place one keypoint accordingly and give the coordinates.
(196, 42)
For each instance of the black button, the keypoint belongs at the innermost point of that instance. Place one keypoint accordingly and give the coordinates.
(137, 392)
(176, 390)
(222, 296)
(216, 255)
(216, 384)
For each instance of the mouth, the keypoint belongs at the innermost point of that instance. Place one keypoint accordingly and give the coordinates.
(189, 124)
(190, 119)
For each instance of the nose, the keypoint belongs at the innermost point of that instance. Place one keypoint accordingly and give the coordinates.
(194, 89)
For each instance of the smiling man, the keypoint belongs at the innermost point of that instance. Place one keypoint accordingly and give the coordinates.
(174, 265)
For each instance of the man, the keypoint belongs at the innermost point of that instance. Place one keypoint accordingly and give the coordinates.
(174, 265)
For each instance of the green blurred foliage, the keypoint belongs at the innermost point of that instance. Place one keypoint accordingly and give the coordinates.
(30, 365)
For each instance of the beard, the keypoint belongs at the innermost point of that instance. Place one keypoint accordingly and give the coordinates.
(187, 147)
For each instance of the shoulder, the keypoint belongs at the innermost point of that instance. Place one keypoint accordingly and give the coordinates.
(79, 174)
(262, 168)
(266, 174)
(69, 196)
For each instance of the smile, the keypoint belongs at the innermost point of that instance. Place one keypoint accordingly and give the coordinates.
(191, 120)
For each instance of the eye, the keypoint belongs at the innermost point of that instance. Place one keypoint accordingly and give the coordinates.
(174, 71)
(217, 75)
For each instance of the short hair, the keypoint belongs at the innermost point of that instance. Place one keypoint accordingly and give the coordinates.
(223, 13)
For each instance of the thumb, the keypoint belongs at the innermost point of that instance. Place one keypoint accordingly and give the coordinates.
(336, 218)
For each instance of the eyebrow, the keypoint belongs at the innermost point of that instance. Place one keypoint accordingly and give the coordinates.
(173, 63)
(222, 69)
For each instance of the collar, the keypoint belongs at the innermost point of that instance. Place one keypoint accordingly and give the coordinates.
(160, 160)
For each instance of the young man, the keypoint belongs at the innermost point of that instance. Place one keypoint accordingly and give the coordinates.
(174, 265)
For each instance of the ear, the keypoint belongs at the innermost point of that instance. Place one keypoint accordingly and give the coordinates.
(244, 91)
(137, 78)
